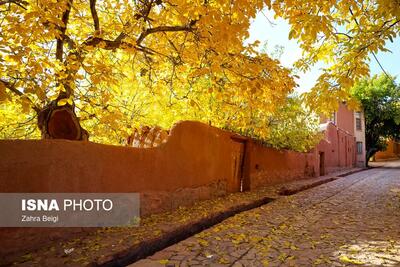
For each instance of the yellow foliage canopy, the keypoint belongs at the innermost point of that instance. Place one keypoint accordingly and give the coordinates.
(119, 61)
(106, 56)
(346, 35)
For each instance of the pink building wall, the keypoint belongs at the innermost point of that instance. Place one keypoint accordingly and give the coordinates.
(339, 144)
(337, 149)
(345, 119)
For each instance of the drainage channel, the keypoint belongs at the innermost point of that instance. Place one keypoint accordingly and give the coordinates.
(292, 191)
(148, 248)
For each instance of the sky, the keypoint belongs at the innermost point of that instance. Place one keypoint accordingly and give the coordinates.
(276, 33)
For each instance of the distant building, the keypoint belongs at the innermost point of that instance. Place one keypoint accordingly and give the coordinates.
(345, 139)
(359, 133)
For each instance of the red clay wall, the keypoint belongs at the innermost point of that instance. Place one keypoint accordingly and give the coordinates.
(392, 151)
(196, 156)
(198, 162)
(268, 166)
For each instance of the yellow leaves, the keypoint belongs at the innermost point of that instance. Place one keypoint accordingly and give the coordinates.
(203, 242)
(223, 260)
(292, 34)
(163, 261)
(322, 260)
(346, 259)
(3, 93)
(26, 104)
(95, 79)
(199, 72)
(282, 257)
(238, 238)
(204, 74)
(345, 49)
(64, 101)
(289, 245)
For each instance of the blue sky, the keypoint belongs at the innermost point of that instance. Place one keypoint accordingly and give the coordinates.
(277, 34)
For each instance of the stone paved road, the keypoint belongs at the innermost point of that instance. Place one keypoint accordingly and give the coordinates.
(353, 221)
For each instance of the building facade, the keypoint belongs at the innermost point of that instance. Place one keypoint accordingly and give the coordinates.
(349, 144)
(359, 133)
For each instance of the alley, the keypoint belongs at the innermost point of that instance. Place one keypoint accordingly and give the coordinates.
(354, 220)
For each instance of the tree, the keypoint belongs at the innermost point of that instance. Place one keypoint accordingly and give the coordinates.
(63, 59)
(294, 126)
(380, 100)
(343, 34)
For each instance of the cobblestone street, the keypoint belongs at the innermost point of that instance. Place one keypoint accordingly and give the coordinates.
(351, 221)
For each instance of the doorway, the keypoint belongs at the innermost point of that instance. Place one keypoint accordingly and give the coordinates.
(321, 163)
(241, 183)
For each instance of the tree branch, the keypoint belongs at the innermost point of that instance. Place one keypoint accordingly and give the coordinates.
(19, 3)
(13, 89)
(118, 42)
(94, 15)
(373, 54)
(60, 41)
(149, 31)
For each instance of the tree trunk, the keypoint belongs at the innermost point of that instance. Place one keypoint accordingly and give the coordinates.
(60, 122)
(369, 154)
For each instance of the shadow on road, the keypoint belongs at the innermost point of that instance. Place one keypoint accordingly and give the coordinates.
(392, 164)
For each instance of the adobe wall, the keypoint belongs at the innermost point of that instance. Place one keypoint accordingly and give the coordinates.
(392, 151)
(268, 166)
(197, 162)
(196, 156)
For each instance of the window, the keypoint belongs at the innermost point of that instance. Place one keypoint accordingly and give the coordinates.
(358, 121)
(359, 147)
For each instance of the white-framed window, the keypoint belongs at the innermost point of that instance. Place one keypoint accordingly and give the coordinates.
(358, 121)
(359, 147)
